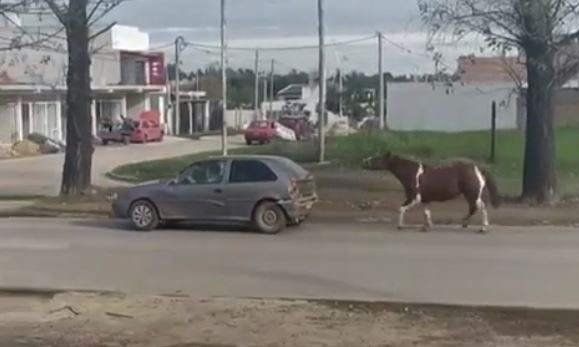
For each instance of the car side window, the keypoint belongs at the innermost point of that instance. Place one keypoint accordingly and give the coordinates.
(250, 171)
(209, 172)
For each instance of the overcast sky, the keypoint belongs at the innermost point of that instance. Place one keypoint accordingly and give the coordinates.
(270, 23)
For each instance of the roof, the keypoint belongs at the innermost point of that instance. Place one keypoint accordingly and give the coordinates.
(481, 70)
(292, 89)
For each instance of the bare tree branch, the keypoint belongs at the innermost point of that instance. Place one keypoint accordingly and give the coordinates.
(102, 31)
(94, 10)
(61, 12)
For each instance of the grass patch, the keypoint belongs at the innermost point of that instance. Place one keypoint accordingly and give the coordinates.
(430, 147)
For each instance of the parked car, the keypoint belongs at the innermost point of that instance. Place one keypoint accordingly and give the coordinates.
(261, 131)
(266, 192)
(116, 133)
(147, 130)
(300, 125)
(141, 131)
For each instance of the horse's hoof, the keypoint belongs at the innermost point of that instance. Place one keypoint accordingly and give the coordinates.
(465, 226)
(400, 227)
(425, 229)
(483, 231)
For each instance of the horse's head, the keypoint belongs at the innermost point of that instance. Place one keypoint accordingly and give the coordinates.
(378, 162)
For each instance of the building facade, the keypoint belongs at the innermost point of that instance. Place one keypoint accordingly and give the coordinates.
(127, 79)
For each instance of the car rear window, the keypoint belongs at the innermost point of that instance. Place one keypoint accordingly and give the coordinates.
(293, 169)
(250, 171)
(262, 124)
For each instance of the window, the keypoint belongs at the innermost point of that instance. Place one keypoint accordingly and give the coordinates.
(246, 171)
(259, 124)
(210, 172)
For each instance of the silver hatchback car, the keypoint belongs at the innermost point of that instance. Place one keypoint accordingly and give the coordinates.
(267, 192)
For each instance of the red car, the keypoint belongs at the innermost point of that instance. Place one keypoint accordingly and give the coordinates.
(142, 131)
(147, 130)
(262, 131)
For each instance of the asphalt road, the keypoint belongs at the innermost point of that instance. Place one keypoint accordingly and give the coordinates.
(42, 175)
(509, 267)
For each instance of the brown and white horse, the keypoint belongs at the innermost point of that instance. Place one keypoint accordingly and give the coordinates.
(424, 184)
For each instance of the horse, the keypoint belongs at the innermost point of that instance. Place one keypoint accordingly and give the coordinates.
(424, 184)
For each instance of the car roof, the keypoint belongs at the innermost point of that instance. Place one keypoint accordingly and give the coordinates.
(249, 157)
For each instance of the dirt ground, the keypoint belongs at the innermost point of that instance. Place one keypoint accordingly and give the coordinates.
(375, 198)
(75, 319)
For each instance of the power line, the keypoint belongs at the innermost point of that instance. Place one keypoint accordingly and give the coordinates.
(287, 48)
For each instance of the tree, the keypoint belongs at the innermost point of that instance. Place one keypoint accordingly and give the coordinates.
(78, 17)
(542, 30)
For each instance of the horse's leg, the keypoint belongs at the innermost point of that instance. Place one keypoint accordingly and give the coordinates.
(485, 216)
(472, 208)
(408, 205)
(427, 218)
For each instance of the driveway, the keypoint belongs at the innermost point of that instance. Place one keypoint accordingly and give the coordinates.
(42, 175)
(534, 267)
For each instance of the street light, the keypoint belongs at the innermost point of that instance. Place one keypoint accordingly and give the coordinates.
(180, 45)
(223, 81)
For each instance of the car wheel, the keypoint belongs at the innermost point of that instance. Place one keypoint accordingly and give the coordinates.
(248, 142)
(144, 215)
(126, 140)
(269, 218)
(105, 142)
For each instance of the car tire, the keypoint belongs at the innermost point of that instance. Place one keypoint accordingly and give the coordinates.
(248, 142)
(105, 142)
(126, 140)
(269, 218)
(144, 215)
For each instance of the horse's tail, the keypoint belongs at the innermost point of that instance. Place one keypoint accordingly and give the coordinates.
(491, 186)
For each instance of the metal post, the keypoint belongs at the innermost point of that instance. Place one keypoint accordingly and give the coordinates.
(197, 80)
(256, 92)
(264, 96)
(178, 42)
(190, 107)
(493, 131)
(223, 82)
(341, 92)
(271, 88)
(381, 77)
(322, 83)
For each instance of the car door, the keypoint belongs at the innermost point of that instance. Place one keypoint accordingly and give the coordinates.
(249, 181)
(197, 193)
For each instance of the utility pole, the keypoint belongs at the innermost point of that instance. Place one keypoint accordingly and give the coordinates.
(271, 88)
(381, 76)
(223, 82)
(197, 80)
(322, 82)
(256, 71)
(264, 95)
(341, 92)
(179, 42)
